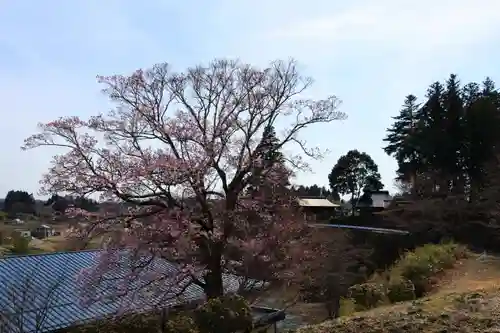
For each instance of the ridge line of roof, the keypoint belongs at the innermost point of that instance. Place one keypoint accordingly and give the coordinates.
(48, 253)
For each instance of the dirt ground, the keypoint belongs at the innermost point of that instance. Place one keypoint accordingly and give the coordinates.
(466, 300)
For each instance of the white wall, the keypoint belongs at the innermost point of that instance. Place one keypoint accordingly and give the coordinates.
(380, 200)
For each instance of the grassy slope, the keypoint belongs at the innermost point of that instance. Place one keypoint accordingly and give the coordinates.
(467, 299)
(50, 244)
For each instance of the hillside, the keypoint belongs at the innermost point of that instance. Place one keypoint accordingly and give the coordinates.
(466, 299)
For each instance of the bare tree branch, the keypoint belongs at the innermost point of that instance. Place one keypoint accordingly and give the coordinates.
(180, 149)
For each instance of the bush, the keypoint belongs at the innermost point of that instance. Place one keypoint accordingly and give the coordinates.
(181, 324)
(347, 307)
(409, 278)
(367, 295)
(224, 315)
(20, 244)
(425, 262)
(473, 313)
(151, 323)
(129, 324)
(400, 290)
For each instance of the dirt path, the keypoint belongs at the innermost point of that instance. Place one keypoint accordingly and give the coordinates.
(472, 274)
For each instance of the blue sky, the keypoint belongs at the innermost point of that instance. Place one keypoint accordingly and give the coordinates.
(368, 53)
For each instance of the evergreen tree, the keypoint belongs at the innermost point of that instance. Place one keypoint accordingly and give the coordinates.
(269, 148)
(481, 132)
(454, 138)
(431, 130)
(315, 191)
(402, 143)
(58, 203)
(19, 202)
(86, 204)
(271, 159)
(447, 141)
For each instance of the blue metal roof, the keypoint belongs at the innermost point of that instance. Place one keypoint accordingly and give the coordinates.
(357, 227)
(40, 293)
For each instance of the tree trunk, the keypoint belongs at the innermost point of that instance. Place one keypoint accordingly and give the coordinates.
(213, 278)
(353, 205)
(333, 307)
(213, 287)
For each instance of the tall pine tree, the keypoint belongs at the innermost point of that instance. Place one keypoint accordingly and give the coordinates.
(449, 139)
(402, 143)
(431, 131)
(454, 138)
(270, 164)
(481, 132)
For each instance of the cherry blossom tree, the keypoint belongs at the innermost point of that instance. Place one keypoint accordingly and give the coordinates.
(179, 151)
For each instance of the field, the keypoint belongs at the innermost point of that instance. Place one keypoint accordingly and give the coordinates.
(49, 244)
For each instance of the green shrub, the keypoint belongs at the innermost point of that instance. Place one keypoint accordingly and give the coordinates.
(367, 295)
(181, 324)
(20, 244)
(409, 278)
(400, 290)
(347, 307)
(129, 324)
(425, 262)
(224, 315)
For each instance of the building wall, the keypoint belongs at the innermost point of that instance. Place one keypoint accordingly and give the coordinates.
(43, 232)
(380, 200)
(25, 233)
(320, 214)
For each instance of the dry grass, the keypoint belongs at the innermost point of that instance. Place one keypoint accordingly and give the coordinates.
(50, 244)
(310, 313)
(467, 299)
(62, 243)
(472, 275)
(286, 298)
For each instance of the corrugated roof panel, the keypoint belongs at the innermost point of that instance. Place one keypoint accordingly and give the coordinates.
(46, 286)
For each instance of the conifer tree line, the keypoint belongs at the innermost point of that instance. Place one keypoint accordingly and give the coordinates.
(444, 142)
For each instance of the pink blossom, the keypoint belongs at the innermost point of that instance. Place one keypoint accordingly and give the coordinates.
(179, 153)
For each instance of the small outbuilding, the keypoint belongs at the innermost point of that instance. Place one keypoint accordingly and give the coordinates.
(318, 209)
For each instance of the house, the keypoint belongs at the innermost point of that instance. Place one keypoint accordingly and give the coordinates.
(41, 292)
(318, 209)
(15, 221)
(345, 208)
(44, 231)
(381, 199)
(24, 233)
(374, 201)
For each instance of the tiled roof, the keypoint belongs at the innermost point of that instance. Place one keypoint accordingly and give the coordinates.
(41, 293)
